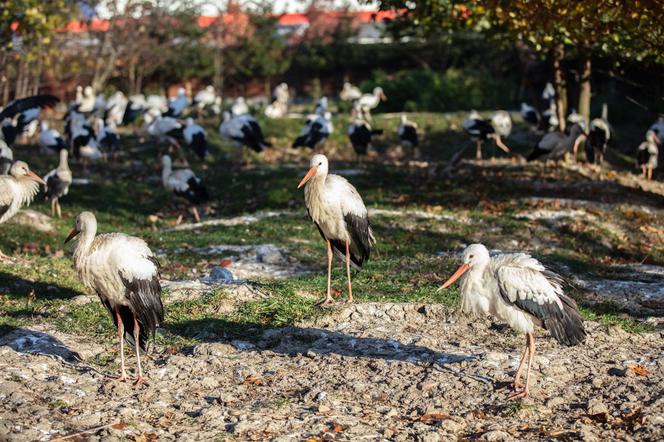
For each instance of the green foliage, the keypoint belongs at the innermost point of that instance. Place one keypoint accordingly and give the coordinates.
(454, 89)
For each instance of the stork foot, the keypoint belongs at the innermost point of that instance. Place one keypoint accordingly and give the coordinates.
(327, 302)
(518, 395)
(140, 380)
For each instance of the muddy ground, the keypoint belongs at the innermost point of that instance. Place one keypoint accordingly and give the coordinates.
(367, 372)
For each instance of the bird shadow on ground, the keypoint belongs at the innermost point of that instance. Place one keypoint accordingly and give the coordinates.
(25, 288)
(36, 342)
(293, 340)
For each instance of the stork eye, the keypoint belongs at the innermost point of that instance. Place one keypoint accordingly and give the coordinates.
(320, 164)
(471, 256)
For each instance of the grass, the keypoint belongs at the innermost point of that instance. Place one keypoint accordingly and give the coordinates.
(479, 204)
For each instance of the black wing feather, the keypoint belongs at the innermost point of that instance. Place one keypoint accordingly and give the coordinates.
(22, 104)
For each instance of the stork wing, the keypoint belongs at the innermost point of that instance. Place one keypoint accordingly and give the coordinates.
(5, 193)
(22, 104)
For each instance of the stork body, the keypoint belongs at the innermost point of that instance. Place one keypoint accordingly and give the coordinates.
(134, 108)
(50, 140)
(184, 184)
(316, 130)
(26, 110)
(338, 211)
(124, 273)
(244, 130)
(107, 137)
(195, 138)
(360, 134)
(518, 290)
(407, 132)
(6, 158)
(17, 189)
(239, 107)
(350, 92)
(58, 181)
(599, 137)
(481, 130)
(84, 143)
(647, 154)
(165, 129)
(178, 104)
(372, 100)
(85, 98)
(554, 145)
(531, 116)
(658, 128)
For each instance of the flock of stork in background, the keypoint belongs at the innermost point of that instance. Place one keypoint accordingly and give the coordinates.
(124, 272)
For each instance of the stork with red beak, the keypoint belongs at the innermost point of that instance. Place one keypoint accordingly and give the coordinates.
(517, 289)
(17, 189)
(338, 211)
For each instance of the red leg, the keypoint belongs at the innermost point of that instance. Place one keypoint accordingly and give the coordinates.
(350, 286)
(526, 391)
(517, 376)
(123, 376)
(139, 377)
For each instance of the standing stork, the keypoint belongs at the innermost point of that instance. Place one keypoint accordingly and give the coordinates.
(50, 140)
(17, 189)
(177, 104)
(531, 116)
(647, 153)
(349, 92)
(185, 184)
(554, 145)
(481, 130)
(372, 100)
(124, 273)
(599, 137)
(407, 132)
(315, 131)
(166, 129)
(517, 289)
(6, 158)
(107, 137)
(338, 211)
(239, 107)
(57, 182)
(244, 130)
(360, 134)
(27, 109)
(195, 138)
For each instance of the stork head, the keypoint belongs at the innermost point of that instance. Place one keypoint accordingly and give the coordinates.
(20, 169)
(378, 91)
(317, 167)
(88, 91)
(474, 256)
(43, 126)
(240, 100)
(181, 91)
(651, 137)
(85, 222)
(403, 119)
(209, 88)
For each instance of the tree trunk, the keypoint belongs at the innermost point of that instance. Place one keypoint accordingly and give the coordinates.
(218, 77)
(584, 88)
(560, 84)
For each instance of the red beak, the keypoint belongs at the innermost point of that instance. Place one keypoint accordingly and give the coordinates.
(460, 271)
(308, 176)
(36, 177)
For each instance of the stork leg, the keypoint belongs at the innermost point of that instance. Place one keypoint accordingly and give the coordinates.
(478, 151)
(197, 217)
(139, 379)
(57, 207)
(499, 143)
(5, 258)
(517, 375)
(52, 207)
(123, 375)
(350, 286)
(531, 354)
(650, 173)
(328, 298)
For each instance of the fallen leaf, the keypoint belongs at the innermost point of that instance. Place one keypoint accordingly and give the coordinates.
(638, 370)
(334, 427)
(119, 426)
(433, 418)
(255, 380)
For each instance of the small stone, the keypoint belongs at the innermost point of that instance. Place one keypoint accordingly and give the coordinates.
(496, 436)
(82, 299)
(596, 406)
(220, 274)
(324, 409)
(269, 254)
(555, 402)
(431, 437)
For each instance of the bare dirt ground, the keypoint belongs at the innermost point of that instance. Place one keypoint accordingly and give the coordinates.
(367, 372)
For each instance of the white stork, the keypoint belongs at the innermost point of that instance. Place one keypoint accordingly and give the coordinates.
(517, 289)
(350, 92)
(481, 130)
(124, 273)
(372, 100)
(57, 182)
(115, 108)
(107, 137)
(6, 158)
(576, 118)
(27, 109)
(195, 138)
(166, 129)
(647, 154)
(321, 106)
(17, 189)
(531, 116)
(315, 131)
(554, 145)
(204, 98)
(239, 107)
(338, 211)
(85, 98)
(599, 136)
(135, 107)
(407, 132)
(360, 134)
(244, 130)
(84, 143)
(185, 184)
(177, 104)
(50, 140)
(658, 128)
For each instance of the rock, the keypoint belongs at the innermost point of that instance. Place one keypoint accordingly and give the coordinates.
(34, 219)
(596, 406)
(496, 436)
(82, 299)
(220, 274)
(618, 371)
(555, 402)
(432, 436)
(269, 254)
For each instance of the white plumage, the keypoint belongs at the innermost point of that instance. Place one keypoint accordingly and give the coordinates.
(195, 137)
(178, 104)
(85, 98)
(350, 92)
(17, 189)
(205, 97)
(243, 130)
(50, 140)
(239, 107)
(183, 183)
(518, 290)
(338, 211)
(502, 122)
(368, 102)
(124, 272)
(6, 158)
(658, 128)
(57, 182)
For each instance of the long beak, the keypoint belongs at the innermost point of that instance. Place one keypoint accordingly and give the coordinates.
(460, 271)
(71, 235)
(384, 97)
(36, 177)
(308, 176)
(657, 141)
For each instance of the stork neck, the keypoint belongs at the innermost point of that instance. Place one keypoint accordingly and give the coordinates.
(84, 242)
(166, 170)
